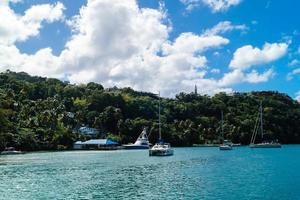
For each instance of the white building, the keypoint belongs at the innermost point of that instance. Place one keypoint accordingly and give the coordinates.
(88, 131)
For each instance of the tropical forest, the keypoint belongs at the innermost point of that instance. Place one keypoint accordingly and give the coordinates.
(39, 113)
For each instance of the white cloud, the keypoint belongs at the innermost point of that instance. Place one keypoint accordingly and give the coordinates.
(248, 56)
(223, 27)
(294, 62)
(191, 43)
(291, 75)
(215, 71)
(191, 4)
(238, 76)
(131, 49)
(255, 77)
(214, 5)
(231, 78)
(221, 5)
(6, 2)
(19, 28)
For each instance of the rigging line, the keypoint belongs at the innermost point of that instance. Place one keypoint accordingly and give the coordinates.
(255, 130)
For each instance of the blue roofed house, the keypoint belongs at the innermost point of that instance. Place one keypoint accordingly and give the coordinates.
(99, 144)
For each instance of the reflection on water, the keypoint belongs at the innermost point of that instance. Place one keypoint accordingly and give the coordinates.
(192, 173)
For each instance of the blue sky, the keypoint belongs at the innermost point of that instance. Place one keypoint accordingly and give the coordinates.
(171, 45)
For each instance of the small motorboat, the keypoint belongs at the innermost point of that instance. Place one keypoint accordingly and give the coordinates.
(225, 147)
(10, 151)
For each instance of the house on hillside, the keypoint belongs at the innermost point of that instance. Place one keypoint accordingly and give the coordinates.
(87, 131)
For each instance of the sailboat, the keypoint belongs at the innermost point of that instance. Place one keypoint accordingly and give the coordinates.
(142, 142)
(227, 144)
(259, 122)
(160, 148)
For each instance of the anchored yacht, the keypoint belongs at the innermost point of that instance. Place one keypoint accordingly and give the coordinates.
(227, 144)
(160, 148)
(267, 144)
(142, 142)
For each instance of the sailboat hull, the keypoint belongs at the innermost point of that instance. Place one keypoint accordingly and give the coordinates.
(136, 146)
(225, 147)
(161, 152)
(265, 145)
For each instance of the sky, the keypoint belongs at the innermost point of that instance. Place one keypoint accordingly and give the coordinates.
(156, 45)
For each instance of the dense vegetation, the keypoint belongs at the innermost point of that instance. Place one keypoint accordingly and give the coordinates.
(41, 113)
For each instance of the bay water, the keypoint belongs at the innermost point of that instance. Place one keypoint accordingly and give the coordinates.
(192, 173)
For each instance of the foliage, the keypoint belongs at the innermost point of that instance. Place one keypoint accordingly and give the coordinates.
(41, 113)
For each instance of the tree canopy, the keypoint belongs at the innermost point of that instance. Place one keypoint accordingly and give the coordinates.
(39, 113)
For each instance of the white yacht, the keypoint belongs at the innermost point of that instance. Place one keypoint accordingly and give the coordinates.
(160, 148)
(142, 142)
(227, 144)
(259, 122)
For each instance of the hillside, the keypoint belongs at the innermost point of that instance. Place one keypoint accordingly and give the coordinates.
(40, 113)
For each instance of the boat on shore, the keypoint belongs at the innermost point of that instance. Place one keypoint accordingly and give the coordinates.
(142, 142)
(10, 151)
(259, 125)
(160, 148)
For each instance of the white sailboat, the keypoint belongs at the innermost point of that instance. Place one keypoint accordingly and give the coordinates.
(160, 148)
(272, 144)
(142, 142)
(227, 144)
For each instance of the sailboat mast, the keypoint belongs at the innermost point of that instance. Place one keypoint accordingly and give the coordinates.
(222, 129)
(261, 121)
(159, 125)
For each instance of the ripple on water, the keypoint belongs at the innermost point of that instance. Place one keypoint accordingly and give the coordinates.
(192, 173)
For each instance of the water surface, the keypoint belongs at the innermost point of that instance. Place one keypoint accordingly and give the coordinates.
(192, 173)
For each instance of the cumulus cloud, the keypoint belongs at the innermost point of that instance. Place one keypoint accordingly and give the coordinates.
(191, 43)
(6, 2)
(238, 76)
(293, 63)
(221, 5)
(291, 75)
(214, 5)
(248, 55)
(131, 49)
(19, 28)
(255, 77)
(223, 27)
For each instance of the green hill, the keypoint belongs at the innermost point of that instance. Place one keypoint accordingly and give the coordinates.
(41, 113)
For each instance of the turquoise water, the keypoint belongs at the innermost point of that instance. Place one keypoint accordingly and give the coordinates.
(192, 173)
